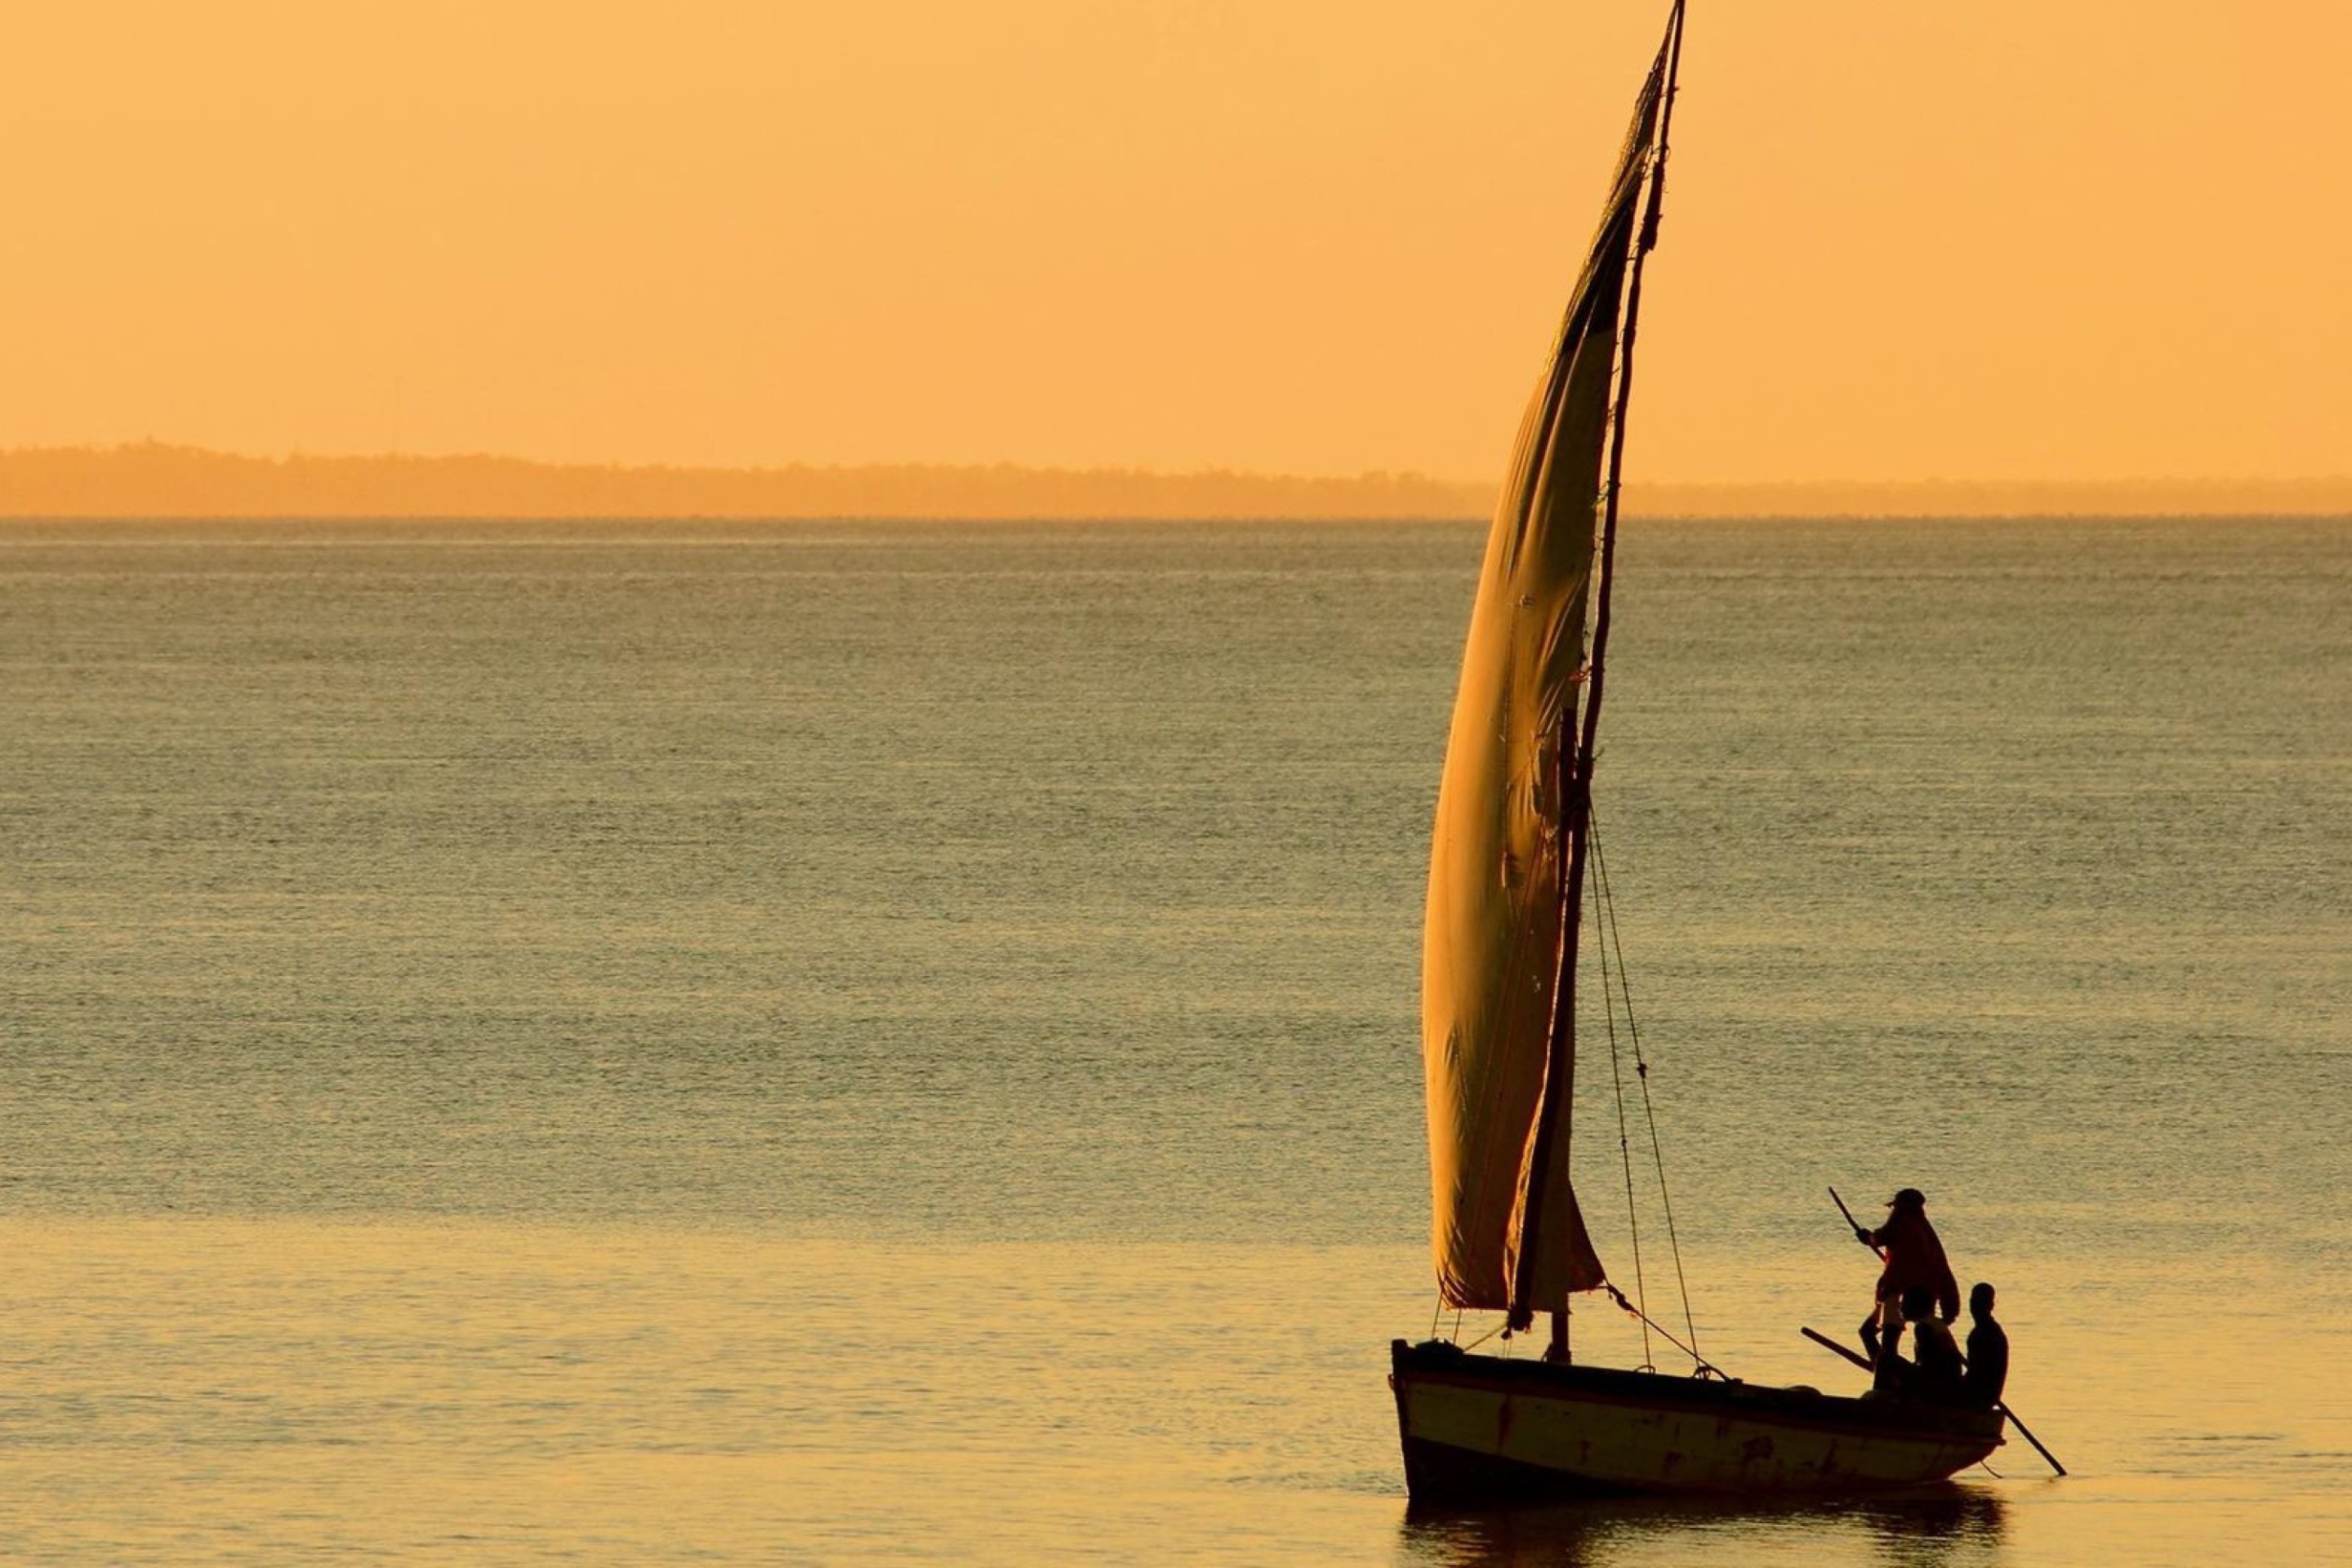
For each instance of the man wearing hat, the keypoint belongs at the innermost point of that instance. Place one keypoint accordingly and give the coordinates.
(1915, 1261)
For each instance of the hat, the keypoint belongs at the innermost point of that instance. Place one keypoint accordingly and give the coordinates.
(1908, 1198)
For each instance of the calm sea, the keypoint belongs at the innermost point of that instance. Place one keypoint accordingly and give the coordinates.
(731, 1042)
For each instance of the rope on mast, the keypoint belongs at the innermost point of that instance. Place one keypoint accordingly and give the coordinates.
(1608, 914)
(1624, 1139)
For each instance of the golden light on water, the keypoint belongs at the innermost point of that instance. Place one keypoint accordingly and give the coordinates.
(281, 1388)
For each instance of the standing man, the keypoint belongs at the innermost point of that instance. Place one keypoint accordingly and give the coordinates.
(1915, 1260)
(1988, 1352)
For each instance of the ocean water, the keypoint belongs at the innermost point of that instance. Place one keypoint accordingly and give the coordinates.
(865, 1042)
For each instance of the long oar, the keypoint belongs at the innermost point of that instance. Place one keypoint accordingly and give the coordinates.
(1828, 1344)
(2029, 1436)
(1860, 1234)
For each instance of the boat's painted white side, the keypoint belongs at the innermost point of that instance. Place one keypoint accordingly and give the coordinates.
(1484, 1426)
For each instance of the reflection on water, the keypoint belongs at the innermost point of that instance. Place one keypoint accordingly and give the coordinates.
(1940, 1527)
(1951, 1525)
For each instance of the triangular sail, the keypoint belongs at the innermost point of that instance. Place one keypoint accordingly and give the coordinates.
(1491, 948)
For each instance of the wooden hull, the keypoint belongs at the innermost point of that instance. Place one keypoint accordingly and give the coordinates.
(1483, 1429)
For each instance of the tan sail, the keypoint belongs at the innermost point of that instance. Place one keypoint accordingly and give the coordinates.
(1491, 945)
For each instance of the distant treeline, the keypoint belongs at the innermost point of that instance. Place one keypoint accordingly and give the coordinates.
(154, 479)
(2330, 497)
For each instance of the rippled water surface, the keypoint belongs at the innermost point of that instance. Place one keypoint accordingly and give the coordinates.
(636, 1042)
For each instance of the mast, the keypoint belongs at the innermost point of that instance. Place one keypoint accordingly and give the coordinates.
(1575, 760)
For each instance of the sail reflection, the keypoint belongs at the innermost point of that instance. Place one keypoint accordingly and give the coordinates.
(1942, 1527)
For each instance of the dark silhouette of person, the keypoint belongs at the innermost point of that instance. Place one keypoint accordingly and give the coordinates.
(1915, 1259)
(1891, 1375)
(1935, 1359)
(1988, 1352)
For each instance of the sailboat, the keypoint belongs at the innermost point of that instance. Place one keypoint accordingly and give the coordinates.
(1510, 856)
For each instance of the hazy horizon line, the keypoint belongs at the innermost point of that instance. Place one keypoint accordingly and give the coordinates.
(158, 479)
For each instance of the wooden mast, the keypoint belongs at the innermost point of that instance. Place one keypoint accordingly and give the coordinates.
(1575, 763)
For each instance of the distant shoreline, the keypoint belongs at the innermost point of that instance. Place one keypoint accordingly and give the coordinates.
(152, 479)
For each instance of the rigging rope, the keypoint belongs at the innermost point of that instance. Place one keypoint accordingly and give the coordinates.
(1624, 1139)
(1705, 1366)
(1608, 915)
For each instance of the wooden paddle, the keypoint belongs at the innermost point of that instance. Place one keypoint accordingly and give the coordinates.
(2029, 1436)
(1859, 1233)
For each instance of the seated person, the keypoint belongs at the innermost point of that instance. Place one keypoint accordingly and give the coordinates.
(1893, 1376)
(1988, 1352)
(1935, 1371)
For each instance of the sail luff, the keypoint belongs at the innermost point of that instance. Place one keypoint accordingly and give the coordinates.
(1498, 858)
(1552, 1131)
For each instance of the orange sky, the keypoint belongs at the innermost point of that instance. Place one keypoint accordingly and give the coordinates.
(2021, 238)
